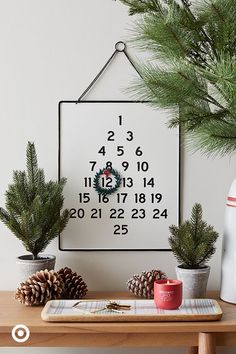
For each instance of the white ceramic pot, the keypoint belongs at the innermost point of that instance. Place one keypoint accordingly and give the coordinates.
(28, 266)
(228, 263)
(194, 282)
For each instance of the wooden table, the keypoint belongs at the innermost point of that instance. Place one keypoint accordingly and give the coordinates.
(205, 335)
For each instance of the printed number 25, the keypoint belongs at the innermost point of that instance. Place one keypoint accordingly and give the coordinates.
(120, 229)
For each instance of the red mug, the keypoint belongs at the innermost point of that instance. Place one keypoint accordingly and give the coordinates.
(168, 294)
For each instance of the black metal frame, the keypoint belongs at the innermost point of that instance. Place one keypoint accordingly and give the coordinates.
(59, 175)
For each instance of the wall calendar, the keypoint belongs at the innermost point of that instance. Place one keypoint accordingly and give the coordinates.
(122, 168)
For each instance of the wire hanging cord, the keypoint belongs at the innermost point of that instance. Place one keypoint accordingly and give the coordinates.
(120, 47)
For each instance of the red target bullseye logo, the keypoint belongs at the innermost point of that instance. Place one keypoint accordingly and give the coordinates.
(20, 333)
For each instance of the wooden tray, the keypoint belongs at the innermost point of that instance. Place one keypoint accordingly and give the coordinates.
(141, 310)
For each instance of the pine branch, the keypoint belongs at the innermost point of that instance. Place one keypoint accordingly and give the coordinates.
(143, 6)
(32, 165)
(204, 95)
(214, 138)
(196, 220)
(197, 44)
(207, 43)
(217, 12)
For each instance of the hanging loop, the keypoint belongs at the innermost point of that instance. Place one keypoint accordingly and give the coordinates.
(120, 46)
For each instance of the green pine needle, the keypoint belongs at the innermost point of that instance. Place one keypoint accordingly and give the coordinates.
(142, 6)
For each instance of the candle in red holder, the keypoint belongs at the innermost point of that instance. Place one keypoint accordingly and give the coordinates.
(168, 294)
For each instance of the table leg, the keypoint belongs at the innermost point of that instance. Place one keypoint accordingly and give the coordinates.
(206, 343)
(192, 350)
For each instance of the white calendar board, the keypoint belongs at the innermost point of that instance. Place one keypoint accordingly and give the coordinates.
(133, 139)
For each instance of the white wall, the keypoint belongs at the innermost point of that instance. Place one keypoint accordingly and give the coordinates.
(51, 50)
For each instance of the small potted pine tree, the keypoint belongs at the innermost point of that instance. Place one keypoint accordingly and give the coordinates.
(193, 244)
(32, 213)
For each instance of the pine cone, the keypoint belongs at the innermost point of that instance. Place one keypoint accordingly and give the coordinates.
(143, 284)
(74, 286)
(40, 287)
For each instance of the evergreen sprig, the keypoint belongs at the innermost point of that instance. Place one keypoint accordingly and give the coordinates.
(197, 44)
(142, 6)
(193, 242)
(33, 206)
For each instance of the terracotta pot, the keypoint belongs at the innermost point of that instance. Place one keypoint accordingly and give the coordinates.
(28, 266)
(194, 281)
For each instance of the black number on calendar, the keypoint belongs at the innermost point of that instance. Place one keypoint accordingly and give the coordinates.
(121, 197)
(103, 198)
(93, 164)
(138, 151)
(117, 214)
(96, 213)
(120, 120)
(139, 198)
(127, 182)
(120, 150)
(138, 214)
(156, 198)
(130, 136)
(77, 213)
(142, 166)
(148, 182)
(106, 182)
(84, 197)
(111, 135)
(102, 151)
(120, 229)
(87, 181)
(125, 165)
(157, 214)
(109, 164)
(164, 213)
(72, 213)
